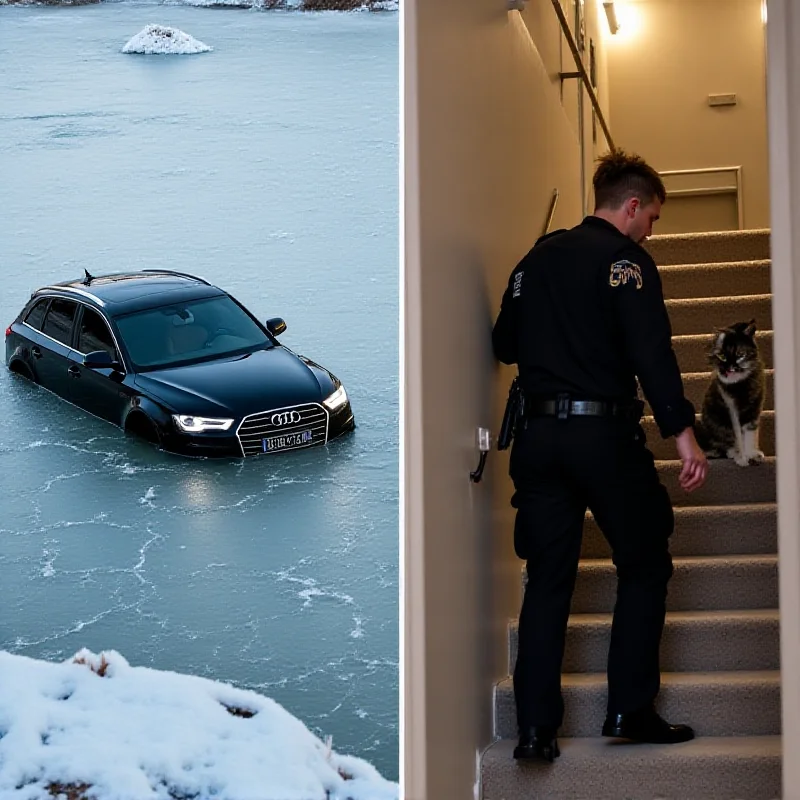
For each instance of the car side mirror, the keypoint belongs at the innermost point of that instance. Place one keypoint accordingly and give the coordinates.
(100, 359)
(276, 326)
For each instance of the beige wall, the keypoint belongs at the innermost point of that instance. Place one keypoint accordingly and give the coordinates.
(486, 141)
(662, 67)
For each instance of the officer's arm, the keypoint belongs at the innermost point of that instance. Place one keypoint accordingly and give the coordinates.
(635, 286)
(504, 341)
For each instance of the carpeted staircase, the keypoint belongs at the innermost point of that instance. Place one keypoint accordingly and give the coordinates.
(720, 650)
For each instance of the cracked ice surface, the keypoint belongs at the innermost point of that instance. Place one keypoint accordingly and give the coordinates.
(268, 167)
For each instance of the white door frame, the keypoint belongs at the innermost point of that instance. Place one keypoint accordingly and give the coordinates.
(783, 116)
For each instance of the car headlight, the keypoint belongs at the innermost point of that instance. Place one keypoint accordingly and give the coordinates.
(190, 424)
(338, 398)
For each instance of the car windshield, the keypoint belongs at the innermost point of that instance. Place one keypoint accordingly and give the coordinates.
(190, 331)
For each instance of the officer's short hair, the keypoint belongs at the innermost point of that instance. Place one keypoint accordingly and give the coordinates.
(620, 175)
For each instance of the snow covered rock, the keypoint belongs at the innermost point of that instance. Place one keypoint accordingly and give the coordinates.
(160, 40)
(96, 727)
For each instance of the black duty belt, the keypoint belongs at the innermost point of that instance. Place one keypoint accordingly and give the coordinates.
(563, 407)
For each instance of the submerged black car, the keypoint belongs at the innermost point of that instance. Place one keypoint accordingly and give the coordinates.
(171, 358)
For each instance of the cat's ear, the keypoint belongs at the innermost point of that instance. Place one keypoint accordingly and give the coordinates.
(719, 337)
(750, 330)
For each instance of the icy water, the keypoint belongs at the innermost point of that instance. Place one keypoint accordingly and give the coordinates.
(270, 167)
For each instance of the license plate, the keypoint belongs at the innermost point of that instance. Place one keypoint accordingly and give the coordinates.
(286, 440)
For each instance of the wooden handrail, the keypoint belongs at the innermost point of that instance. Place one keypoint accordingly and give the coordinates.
(582, 72)
(551, 212)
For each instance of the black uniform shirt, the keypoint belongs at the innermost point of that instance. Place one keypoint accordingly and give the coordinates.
(584, 313)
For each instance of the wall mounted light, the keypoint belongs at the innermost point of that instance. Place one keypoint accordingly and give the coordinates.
(611, 16)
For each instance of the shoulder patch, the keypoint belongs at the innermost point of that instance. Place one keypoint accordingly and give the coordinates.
(624, 271)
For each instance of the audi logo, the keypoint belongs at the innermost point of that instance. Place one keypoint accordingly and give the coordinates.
(285, 418)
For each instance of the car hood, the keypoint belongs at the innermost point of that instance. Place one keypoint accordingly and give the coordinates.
(236, 386)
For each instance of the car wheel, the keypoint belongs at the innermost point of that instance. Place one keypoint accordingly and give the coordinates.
(138, 424)
(20, 368)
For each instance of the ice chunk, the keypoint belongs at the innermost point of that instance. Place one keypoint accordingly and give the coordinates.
(161, 40)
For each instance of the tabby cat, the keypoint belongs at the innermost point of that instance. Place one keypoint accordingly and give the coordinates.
(732, 404)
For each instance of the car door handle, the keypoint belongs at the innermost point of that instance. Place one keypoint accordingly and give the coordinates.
(74, 371)
(36, 352)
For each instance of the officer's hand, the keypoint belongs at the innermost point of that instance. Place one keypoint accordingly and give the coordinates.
(695, 465)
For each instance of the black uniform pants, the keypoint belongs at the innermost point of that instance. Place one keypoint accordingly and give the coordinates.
(559, 468)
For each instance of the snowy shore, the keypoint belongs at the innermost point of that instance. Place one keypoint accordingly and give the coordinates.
(96, 728)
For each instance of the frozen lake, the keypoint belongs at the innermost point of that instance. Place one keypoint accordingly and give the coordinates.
(270, 167)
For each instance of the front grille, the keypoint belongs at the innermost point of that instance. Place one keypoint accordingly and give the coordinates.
(279, 424)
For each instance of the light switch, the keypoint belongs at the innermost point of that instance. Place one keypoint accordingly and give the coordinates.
(722, 99)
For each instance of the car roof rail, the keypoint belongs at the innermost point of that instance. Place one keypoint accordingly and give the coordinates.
(69, 289)
(178, 274)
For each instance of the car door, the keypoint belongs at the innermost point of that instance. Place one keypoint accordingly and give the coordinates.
(100, 391)
(51, 347)
(32, 324)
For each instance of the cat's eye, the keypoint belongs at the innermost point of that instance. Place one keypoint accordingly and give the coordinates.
(740, 359)
(721, 357)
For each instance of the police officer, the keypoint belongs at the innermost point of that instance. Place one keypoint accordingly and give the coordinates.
(583, 317)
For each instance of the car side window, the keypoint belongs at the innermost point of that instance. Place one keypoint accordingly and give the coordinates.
(35, 316)
(59, 319)
(94, 334)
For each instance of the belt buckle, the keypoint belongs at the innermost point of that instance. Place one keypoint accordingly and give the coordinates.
(562, 406)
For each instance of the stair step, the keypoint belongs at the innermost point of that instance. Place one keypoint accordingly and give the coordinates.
(693, 641)
(696, 383)
(699, 583)
(665, 448)
(716, 280)
(703, 315)
(706, 531)
(713, 703)
(726, 483)
(709, 247)
(707, 768)
(720, 651)
(692, 350)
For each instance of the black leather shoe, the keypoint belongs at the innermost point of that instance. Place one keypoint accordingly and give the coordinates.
(537, 743)
(645, 725)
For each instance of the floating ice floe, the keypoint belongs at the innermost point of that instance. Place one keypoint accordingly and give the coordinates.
(161, 40)
(294, 5)
(95, 726)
